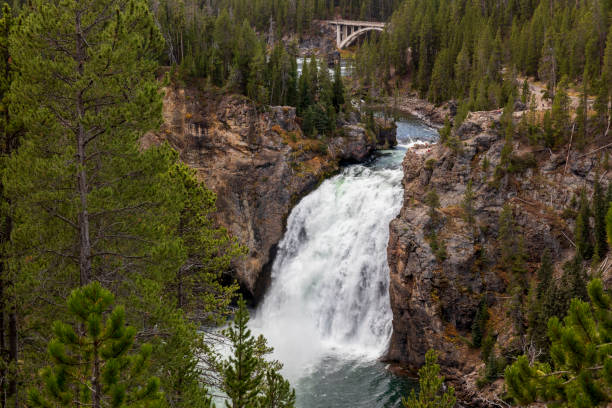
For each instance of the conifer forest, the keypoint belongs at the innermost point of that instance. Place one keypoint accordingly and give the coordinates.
(306, 203)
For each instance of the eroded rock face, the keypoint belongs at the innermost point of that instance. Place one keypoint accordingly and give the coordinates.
(257, 162)
(434, 300)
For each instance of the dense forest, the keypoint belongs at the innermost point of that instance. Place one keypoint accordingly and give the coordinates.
(114, 277)
(201, 35)
(480, 53)
(111, 263)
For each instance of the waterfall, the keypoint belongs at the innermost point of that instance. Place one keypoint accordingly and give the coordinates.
(327, 311)
(330, 279)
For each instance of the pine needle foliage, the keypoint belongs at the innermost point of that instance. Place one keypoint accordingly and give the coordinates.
(584, 243)
(91, 360)
(249, 379)
(600, 208)
(431, 392)
(580, 374)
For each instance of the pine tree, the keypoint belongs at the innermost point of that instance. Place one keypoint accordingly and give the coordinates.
(305, 97)
(580, 352)
(541, 301)
(338, 89)
(525, 92)
(241, 378)
(433, 202)
(468, 204)
(248, 379)
(223, 39)
(560, 112)
(445, 131)
(582, 233)
(574, 280)
(256, 85)
(479, 325)
(313, 77)
(600, 208)
(545, 273)
(431, 394)
(440, 87)
(326, 92)
(277, 391)
(209, 251)
(87, 109)
(90, 203)
(91, 361)
(462, 72)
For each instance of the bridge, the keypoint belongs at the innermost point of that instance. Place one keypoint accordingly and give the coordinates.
(348, 31)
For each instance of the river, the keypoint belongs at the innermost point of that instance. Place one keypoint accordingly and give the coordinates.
(327, 311)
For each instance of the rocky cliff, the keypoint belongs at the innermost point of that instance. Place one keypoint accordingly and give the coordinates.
(257, 161)
(434, 297)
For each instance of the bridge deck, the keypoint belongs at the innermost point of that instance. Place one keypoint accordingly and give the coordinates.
(357, 23)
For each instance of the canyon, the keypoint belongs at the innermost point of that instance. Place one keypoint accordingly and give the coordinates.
(260, 165)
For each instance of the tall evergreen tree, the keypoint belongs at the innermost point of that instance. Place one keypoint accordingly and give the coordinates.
(479, 325)
(241, 377)
(574, 280)
(338, 89)
(600, 208)
(540, 309)
(249, 379)
(584, 244)
(89, 203)
(85, 104)
(468, 204)
(545, 273)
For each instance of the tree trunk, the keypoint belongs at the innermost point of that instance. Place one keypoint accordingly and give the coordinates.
(95, 380)
(82, 186)
(3, 372)
(13, 355)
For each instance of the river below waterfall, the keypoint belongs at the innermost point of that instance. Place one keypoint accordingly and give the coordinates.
(327, 311)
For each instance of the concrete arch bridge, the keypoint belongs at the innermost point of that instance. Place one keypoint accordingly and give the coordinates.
(347, 31)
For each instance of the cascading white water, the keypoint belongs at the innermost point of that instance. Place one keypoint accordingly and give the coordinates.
(330, 277)
(327, 310)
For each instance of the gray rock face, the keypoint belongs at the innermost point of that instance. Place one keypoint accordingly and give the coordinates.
(434, 300)
(257, 162)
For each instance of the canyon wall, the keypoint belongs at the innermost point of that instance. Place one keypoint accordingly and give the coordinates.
(434, 299)
(257, 161)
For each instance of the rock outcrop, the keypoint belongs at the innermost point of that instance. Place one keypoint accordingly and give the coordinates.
(434, 298)
(258, 163)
